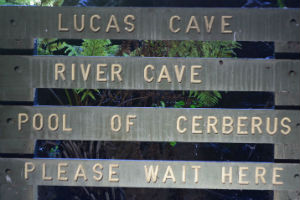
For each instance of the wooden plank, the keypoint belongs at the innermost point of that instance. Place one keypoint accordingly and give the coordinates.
(287, 47)
(149, 73)
(284, 151)
(287, 98)
(125, 173)
(136, 23)
(17, 94)
(287, 195)
(16, 43)
(17, 146)
(16, 46)
(12, 191)
(149, 124)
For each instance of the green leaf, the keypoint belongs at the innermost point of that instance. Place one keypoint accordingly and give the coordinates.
(91, 95)
(163, 105)
(179, 104)
(281, 3)
(173, 144)
(217, 94)
(92, 47)
(83, 96)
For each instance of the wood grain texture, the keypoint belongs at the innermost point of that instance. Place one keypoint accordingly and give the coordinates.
(153, 23)
(131, 173)
(281, 76)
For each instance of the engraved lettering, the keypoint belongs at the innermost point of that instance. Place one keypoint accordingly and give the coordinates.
(112, 23)
(241, 175)
(179, 129)
(193, 74)
(111, 173)
(195, 124)
(146, 77)
(151, 174)
(92, 26)
(164, 74)
(60, 28)
(171, 25)
(29, 167)
(208, 25)
(169, 174)
(60, 171)
(116, 69)
(60, 69)
(131, 25)
(22, 119)
(99, 73)
(287, 127)
(99, 172)
(193, 24)
(228, 174)
(82, 23)
(80, 173)
(224, 24)
(112, 123)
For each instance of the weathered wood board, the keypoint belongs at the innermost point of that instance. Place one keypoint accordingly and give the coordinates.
(162, 174)
(17, 146)
(150, 73)
(287, 195)
(16, 43)
(287, 151)
(151, 23)
(12, 191)
(149, 124)
(17, 94)
(287, 47)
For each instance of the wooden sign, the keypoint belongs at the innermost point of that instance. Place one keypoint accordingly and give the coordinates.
(149, 124)
(150, 174)
(137, 23)
(150, 73)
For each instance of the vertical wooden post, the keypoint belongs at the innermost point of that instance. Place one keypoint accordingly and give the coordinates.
(11, 191)
(284, 152)
(17, 96)
(16, 47)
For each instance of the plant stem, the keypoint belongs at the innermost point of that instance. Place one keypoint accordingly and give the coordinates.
(68, 96)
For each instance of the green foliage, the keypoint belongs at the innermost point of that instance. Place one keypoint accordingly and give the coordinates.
(179, 104)
(185, 49)
(86, 93)
(54, 151)
(4, 2)
(204, 99)
(200, 99)
(72, 50)
(49, 46)
(173, 144)
(281, 3)
(217, 49)
(92, 48)
(211, 49)
(98, 48)
(162, 105)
